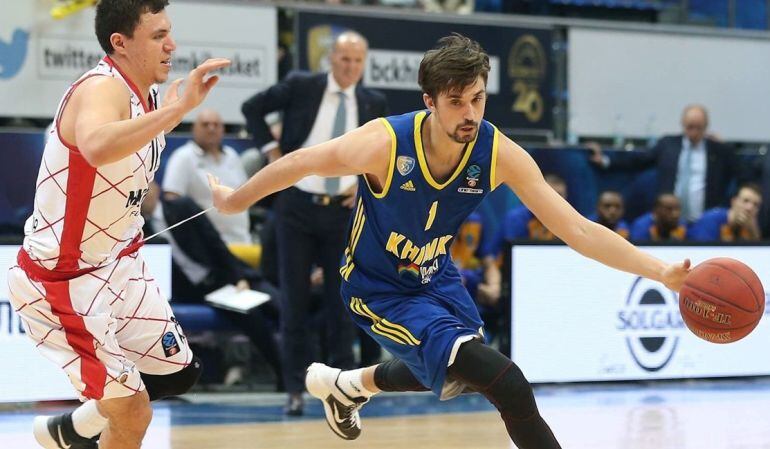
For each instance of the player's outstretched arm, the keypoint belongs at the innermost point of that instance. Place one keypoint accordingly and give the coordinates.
(100, 115)
(517, 169)
(366, 149)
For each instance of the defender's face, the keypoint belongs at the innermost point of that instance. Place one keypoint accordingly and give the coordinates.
(460, 112)
(151, 46)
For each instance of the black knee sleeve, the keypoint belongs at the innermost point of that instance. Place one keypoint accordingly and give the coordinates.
(504, 385)
(492, 374)
(174, 384)
(394, 375)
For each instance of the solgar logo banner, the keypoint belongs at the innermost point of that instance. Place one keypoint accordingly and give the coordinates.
(651, 324)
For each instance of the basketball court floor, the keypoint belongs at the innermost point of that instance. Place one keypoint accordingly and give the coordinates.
(723, 414)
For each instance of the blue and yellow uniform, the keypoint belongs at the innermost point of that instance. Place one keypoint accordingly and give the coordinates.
(398, 277)
(714, 226)
(644, 229)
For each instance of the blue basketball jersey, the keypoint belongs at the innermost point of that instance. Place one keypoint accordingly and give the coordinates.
(399, 238)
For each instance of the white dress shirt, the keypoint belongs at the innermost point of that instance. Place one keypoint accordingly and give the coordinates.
(692, 189)
(322, 131)
(186, 175)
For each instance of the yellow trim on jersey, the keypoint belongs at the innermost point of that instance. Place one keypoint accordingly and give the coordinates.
(418, 119)
(493, 169)
(391, 163)
(355, 235)
(381, 326)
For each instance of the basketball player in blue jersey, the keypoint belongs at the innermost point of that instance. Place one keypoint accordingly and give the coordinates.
(422, 174)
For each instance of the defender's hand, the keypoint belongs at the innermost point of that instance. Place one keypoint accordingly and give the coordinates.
(196, 87)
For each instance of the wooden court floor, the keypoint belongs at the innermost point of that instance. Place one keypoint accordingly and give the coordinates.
(674, 415)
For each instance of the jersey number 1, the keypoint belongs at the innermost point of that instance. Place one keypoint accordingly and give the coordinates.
(431, 215)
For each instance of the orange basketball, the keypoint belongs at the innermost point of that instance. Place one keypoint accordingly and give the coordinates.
(722, 300)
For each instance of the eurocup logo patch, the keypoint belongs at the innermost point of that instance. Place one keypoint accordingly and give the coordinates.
(472, 175)
(170, 345)
(404, 164)
(651, 323)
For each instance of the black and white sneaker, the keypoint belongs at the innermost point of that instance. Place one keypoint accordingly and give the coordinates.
(341, 410)
(57, 432)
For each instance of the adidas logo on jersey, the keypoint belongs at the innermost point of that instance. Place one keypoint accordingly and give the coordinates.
(408, 186)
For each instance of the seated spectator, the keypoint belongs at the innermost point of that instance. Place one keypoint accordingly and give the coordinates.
(738, 223)
(695, 165)
(520, 223)
(202, 264)
(467, 256)
(185, 175)
(664, 223)
(465, 252)
(609, 212)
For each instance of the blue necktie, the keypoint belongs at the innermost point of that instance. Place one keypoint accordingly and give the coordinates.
(333, 184)
(684, 182)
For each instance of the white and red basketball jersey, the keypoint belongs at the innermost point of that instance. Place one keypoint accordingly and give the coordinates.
(84, 216)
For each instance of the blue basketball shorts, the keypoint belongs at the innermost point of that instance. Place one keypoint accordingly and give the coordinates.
(423, 329)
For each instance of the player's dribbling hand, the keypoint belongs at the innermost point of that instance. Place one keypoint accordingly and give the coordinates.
(674, 274)
(219, 195)
(197, 86)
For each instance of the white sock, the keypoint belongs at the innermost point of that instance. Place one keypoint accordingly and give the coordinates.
(87, 420)
(350, 382)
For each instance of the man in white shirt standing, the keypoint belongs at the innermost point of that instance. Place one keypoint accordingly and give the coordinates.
(312, 216)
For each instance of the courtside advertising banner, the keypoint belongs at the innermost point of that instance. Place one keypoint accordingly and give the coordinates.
(574, 320)
(40, 57)
(520, 77)
(28, 376)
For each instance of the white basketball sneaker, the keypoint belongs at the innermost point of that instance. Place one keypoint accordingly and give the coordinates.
(57, 432)
(341, 410)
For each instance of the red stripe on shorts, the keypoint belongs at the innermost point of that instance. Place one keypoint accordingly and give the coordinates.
(92, 372)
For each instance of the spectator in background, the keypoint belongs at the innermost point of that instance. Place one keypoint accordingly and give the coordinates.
(468, 256)
(664, 223)
(609, 212)
(202, 263)
(765, 183)
(738, 223)
(312, 216)
(519, 224)
(698, 169)
(185, 175)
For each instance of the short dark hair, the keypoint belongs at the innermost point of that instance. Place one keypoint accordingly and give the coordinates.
(608, 192)
(122, 16)
(753, 186)
(453, 64)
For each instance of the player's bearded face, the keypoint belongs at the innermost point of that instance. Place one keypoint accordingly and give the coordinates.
(460, 112)
(465, 132)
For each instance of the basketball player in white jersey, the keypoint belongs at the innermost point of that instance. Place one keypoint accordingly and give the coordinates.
(80, 286)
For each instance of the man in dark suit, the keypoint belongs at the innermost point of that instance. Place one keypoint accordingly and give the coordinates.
(695, 167)
(312, 216)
